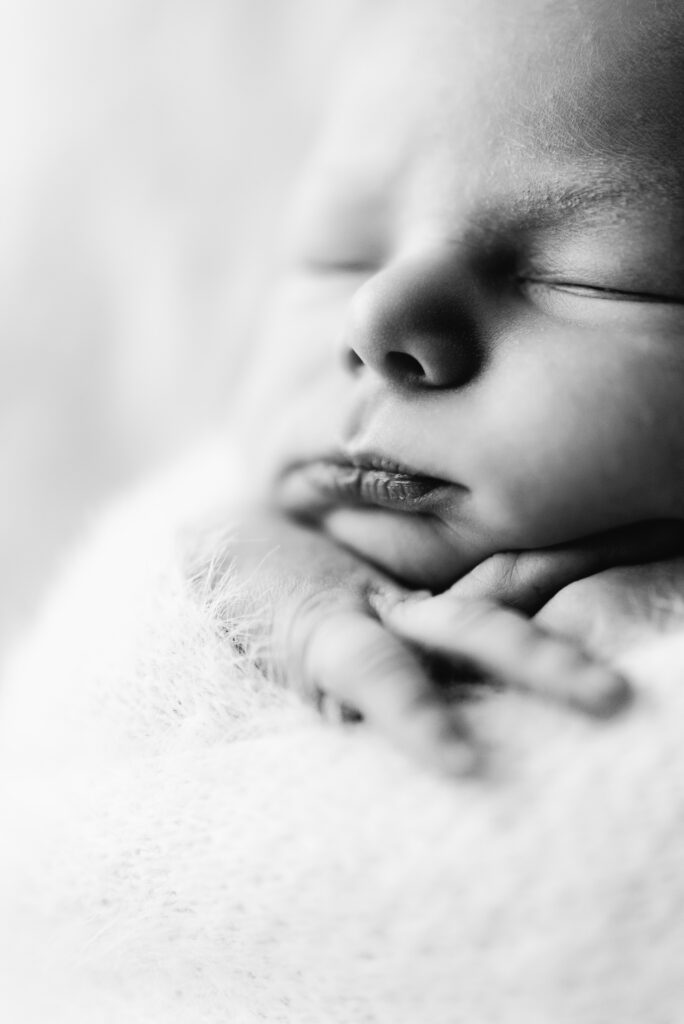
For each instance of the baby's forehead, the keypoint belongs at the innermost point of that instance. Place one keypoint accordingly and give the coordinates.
(504, 89)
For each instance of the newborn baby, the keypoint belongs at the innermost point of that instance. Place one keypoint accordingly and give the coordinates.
(477, 350)
(473, 383)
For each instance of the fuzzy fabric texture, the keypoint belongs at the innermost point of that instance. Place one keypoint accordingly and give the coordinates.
(185, 843)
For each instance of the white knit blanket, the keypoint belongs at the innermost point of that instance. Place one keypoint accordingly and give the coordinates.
(184, 844)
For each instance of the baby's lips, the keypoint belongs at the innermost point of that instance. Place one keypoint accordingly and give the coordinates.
(329, 483)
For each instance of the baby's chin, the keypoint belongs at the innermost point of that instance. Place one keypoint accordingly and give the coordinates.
(419, 550)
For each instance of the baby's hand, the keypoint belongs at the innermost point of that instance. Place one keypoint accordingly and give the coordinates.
(620, 608)
(348, 637)
(504, 645)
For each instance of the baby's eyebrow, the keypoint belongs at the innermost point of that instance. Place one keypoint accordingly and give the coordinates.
(596, 193)
(595, 196)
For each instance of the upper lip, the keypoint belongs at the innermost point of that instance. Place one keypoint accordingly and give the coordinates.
(378, 462)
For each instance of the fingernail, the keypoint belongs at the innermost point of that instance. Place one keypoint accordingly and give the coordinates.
(385, 602)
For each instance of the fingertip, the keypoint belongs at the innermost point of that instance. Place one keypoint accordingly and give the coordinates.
(607, 693)
(388, 603)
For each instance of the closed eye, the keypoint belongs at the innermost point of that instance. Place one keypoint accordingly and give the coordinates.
(597, 291)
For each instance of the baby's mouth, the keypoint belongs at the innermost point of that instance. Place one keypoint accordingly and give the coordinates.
(388, 514)
(314, 486)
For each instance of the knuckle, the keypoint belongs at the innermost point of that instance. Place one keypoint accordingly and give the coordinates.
(284, 632)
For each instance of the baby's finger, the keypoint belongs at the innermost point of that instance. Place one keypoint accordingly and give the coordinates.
(528, 579)
(503, 643)
(359, 663)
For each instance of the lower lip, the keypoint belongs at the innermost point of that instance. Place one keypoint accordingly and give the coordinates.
(322, 484)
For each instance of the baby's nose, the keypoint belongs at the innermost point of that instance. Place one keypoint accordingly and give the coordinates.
(413, 323)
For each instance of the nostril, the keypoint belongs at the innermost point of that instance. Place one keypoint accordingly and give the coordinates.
(352, 359)
(404, 366)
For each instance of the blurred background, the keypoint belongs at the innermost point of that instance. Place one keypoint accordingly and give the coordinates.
(148, 149)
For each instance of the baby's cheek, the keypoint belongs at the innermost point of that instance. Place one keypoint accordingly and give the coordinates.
(296, 404)
(573, 462)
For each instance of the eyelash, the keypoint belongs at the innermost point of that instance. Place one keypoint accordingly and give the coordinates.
(521, 281)
(597, 291)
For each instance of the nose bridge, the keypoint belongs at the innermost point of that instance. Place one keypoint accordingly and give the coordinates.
(414, 323)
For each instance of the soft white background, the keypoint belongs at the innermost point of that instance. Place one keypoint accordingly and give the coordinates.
(148, 147)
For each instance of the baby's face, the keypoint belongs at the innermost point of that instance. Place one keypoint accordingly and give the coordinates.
(492, 238)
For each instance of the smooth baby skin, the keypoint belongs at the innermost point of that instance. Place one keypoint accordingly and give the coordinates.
(477, 350)
(491, 238)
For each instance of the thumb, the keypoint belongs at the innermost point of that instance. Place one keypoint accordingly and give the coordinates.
(526, 580)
